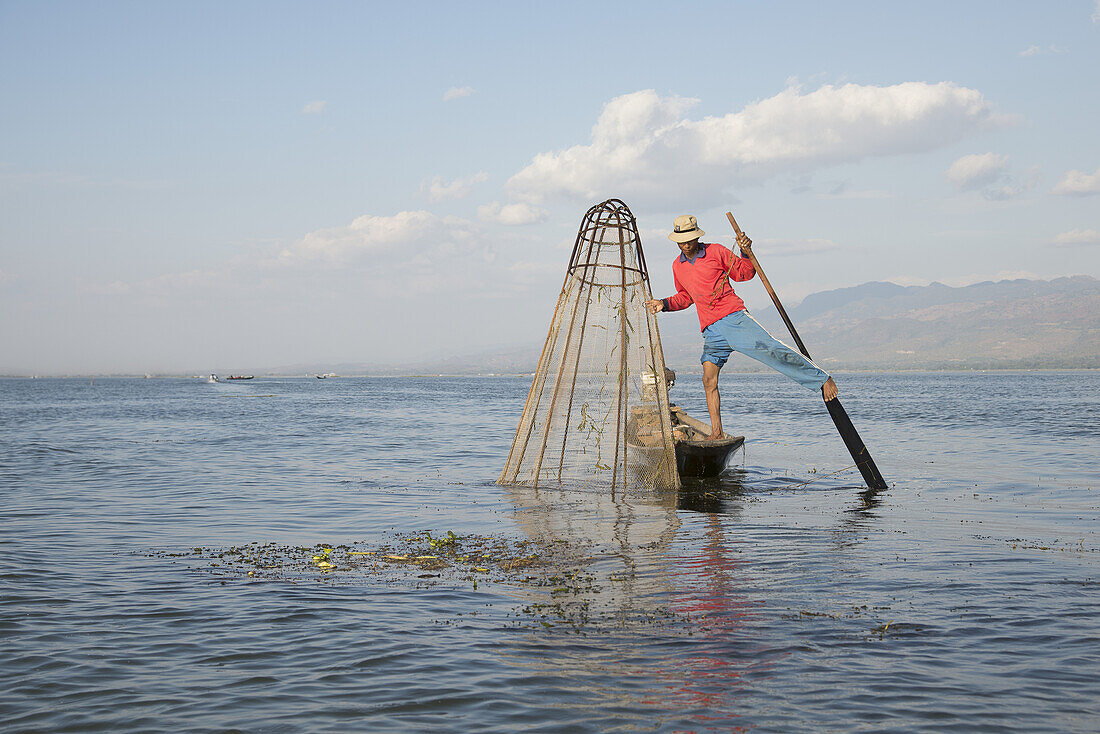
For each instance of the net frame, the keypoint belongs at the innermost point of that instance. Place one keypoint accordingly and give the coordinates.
(607, 268)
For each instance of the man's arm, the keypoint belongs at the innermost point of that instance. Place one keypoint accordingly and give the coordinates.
(741, 268)
(734, 268)
(678, 302)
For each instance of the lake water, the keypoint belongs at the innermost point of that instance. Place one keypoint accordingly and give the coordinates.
(965, 598)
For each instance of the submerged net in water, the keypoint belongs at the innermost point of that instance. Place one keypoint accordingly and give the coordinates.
(597, 413)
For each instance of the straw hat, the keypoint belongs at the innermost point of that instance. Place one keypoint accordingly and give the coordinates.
(685, 229)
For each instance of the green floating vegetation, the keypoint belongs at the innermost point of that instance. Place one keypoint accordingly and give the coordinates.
(422, 555)
(556, 582)
(553, 578)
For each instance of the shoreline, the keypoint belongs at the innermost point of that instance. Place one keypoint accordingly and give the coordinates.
(497, 375)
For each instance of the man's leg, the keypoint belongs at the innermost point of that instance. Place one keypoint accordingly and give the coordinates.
(716, 350)
(714, 400)
(747, 336)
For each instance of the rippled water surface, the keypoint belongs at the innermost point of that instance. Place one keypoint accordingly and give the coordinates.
(775, 598)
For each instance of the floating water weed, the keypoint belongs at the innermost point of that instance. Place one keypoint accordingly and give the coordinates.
(553, 577)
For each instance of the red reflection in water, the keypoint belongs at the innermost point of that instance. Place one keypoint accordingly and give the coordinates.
(709, 593)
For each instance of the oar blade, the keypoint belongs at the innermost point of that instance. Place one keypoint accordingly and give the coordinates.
(855, 445)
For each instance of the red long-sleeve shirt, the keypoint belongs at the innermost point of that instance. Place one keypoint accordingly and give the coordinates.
(702, 281)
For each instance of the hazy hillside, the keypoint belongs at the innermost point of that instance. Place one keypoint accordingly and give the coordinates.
(1008, 324)
(1003, 325)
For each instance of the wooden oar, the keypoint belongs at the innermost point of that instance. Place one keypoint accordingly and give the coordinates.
(848, 433)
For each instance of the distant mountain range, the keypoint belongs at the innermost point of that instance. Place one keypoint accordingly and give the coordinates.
(1010, 324)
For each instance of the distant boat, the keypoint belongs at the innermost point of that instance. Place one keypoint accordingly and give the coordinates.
(325, 376)
(212, 378)
(241, 377)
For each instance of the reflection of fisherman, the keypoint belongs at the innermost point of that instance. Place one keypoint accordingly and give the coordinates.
(701, 274)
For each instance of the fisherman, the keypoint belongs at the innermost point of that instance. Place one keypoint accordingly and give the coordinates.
(702, 273)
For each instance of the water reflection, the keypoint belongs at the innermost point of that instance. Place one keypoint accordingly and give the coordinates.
(869, 500)
(674, 611)
(716, 495)
(626, 536)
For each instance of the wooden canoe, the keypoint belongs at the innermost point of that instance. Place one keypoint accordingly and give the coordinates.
(696, 457)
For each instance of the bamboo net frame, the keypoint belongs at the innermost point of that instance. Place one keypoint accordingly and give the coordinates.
(597, 413)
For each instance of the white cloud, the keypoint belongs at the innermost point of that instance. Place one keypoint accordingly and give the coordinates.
(438, 189)
(1034, 50)
(457, 93)
(406, 237)
(1077, 238)
(511, 214)
(990, 174)
(314, 108)
(643, 145)
(404, 258)
(973, 172)
(1079, 183)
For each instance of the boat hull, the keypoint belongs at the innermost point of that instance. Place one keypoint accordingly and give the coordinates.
(695, 456)
(705, 458)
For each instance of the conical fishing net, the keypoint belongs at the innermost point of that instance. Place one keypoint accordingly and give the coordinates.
(597, 413)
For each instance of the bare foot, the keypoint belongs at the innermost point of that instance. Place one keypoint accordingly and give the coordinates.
(828, 390)
(715, 436)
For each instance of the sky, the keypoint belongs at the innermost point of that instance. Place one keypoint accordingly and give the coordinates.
(188, 187)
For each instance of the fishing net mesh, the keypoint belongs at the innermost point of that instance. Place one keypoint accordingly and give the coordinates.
(597, 413)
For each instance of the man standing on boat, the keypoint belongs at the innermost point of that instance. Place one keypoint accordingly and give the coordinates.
(702, 273)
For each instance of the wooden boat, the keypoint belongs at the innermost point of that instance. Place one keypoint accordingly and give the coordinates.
(241, 377)
(696, 457)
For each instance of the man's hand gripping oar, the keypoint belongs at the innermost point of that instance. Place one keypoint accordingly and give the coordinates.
(848, 433)
(829, 389)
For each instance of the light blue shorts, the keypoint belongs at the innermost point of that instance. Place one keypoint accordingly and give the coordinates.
(742, 333)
